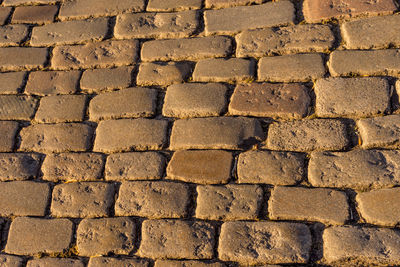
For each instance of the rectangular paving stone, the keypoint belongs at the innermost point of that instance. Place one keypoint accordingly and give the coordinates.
(160, 241)
(18, 166)
(34, 14)
(52, 82)
(33, 236)
(248, 17)
(130, 134)
(13, 35)
(8, 132)
(25, 2)
(4, 14)
(82, 200)
(152, 199)
(163, 74)
(380, 132)
(264, 242)
(11, 82)
(173, 5)
(50, 262)
(186, 263)
(117, 262)
(11, 261)
(61, 108)
(270, 167)
(14, 107)
(22, 58)
(95, 80)
(229, 3)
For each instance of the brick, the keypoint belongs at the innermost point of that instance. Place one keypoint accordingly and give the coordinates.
(78, 9)
(102, 236)
(229, 3)
(175, 263)
(202, 167)
(159, 239)
(50, 262)
(173, 5)
(380, 132)
(152, 199)
(95, 80)
(230, 202)
(11, 82)
(270, 167)
(291, 68)
(14, 107)
(228, 133)
(163, 73)
(129, 134)
(248, 17)
(224, 70)
(25, 2)
(61, 108)
(287, 101)
(361, 246)
(34, 14)
(52, 82)
(100, 54)
(264, 242)
(18, 166)
(8, 132)
(316, 11)
(186, 49)
(73, 167)
(12, 35)
(82, 200)
(132, 103)
(195, 100)
(308, 135)
(11, 261)
(117, 262)
(4, 14)
(284, 40)
(365, 63)
(60, 137)
(32, 236)
(156, 25)
(22, 58)
(134, 166)
(70, 32)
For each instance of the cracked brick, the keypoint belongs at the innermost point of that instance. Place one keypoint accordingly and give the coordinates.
(61, 108)
(52, 82)
(96, 80)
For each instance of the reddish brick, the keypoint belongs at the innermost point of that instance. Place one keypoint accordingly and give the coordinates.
(61, 108)
(22, 58)
(95, 80)
(163, 73)
(11, 82)
(4, 14)
(14, 107)
(34, 14)
(52, 82)
(8, 132)
(18, 166)
(12, 35)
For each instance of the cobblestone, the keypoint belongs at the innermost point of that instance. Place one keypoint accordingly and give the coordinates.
(173, 5)
(96, 80)
(12, 35)
(22, 58)
(8, 131)
(162, 74)
(34, 14)
(11, 82)
(52, 82)
(4, 14)
(18, 166)
(118, 262)
(172, 263)
(24, 2)
(229, 3)
(61, 108)
(11, 261)
(380, 132)
(17, 107)
(49, 262)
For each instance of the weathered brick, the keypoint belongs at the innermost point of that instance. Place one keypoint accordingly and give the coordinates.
(61, 108)
(229, 3)
(60, 137)
(14, 107)
(175, 263)
(132, 103)
(285, 40)
(32, 236)
(129, 134)
(380, 131)
(12, 35)
(163, 73)
(26, 58)
(135, 166)
(34, 14)
(173, 5)
(70, 32)
(102, 236)
(152, 199)
(51, 262)
(80, 200)
(11, 82)
(159, 239)
(195, 100)
(156, 25)
(25, 2)
(288, 101)
(4, 14)
(11, 261)
(8, 132)
(52, 82)
(270, 167)
(116, 262)
(101, 79)
(307, 135)
(361, 246)
(73, 167)
(264, 242)
(224, 70)
(291, 68)
(18, 166)
(186, 49)
(248, 17)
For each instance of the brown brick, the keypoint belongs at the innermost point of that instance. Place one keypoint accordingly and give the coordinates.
(34, 14)
(173, 5)
(156, 25)
(152, 199)
(380, 132)
(270, 167)
(11, 261)
(132, 103)
(60, 137)
(52, 82)
(73, 167)
(61, 108)
(159, 239)
(264, 242)
(18, 166)
(307, 135)
(51, 262)
(101, 79)
(24, 2)
(186, 49)
(117, 262)
(32, 236)
(4, 14)
(22, 58)
(176, 263)
(288, 101)
(17, 107)
(229, 3)
(8, 132)
(195, 100)
(12, 35)
(285, 40)
(102, 236)
(129, 134)
(134, 166)
(11, 82)
(163, 73)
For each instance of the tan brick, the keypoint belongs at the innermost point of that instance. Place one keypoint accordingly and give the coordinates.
(156, 25)
(22, 58)
(4, 14)
(132, 103)
(17, 107)
(11, 82)
(11, 261)
(24, 2)
(307, 135)
(12, 35)
(163, 73)
(380, 132)
(288, 101)
(61, 108)
(270, 167)
(264, 242)
(186, 49)
(152, 199)
(18, 166)
(73, 167)
(129, 134)
(51, 262)
(60, 137)
(8, 132)
(135, 166)
(159, 239)
(175, 263)
(32, 236)
(285, 40)
(173, 5)
(34, 14)
(101, 79)
(229, 3)
(102, 236)
(195, 100)
(70, 32)
(52, 82)
(224, 70)
(116, 262)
